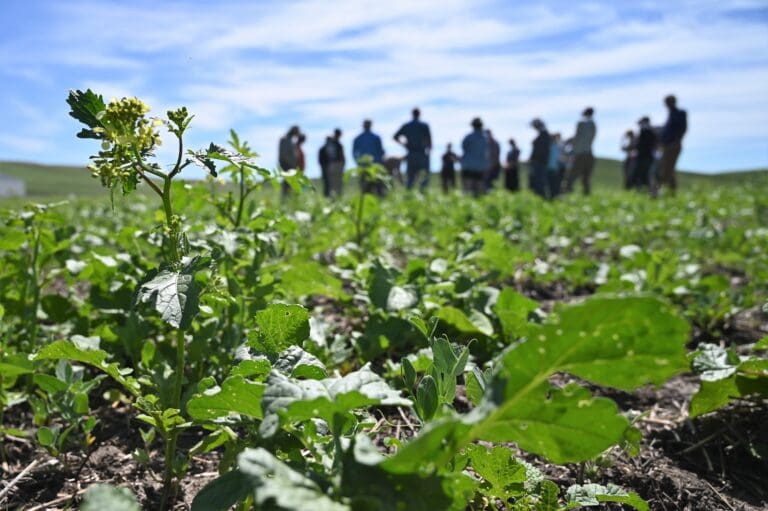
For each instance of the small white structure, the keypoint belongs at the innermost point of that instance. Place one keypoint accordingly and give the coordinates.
(10, 187)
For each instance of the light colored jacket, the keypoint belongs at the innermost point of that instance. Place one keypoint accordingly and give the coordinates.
(585, 134)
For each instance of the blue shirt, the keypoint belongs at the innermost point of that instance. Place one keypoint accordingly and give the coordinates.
(675, 128)
(554, 157)
(368, 143)
(477, 156)
(417, 135)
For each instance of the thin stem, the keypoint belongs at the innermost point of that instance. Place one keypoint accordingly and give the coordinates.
(146, 168)
(169, 484)
(35, 285)
(177, 168)
(359, 220)
(170, 222)
(242, 199)
(149, 182)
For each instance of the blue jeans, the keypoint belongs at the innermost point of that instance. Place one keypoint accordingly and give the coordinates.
(416, 162)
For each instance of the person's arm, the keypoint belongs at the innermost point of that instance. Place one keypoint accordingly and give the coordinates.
(399, 134)
(356, 152)
(342, 158)
(684, 124)
(429, 139)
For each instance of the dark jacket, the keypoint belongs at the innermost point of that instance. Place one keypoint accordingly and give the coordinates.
(326, 156)
(675, 128)
(540, 153)
(646, 143)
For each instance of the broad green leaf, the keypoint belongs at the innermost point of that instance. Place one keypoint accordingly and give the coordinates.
(382, 280)
(369, 486)
(750, 379)
(15, 364)
(46, 436)
(275, 483)
(400, 298)
(87, 354)
(564, 425)
(223, 493)
(762, 344)
(513, 309)
(102, 497)
(475, 324)
(713, 362)
(174, 294)
(280, 326)
(297, 363)
(500, 254)
(504, 475)
(409, 373)
(593, 494)
(256, 369)
(86, 108)
(331, 399)
(475, 386)
(12, 239)
(236, 396)
(549, 497)
(304, 278)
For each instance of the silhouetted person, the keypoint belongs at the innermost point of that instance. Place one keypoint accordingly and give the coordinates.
(553, 167)
(288, 157)
(537, 163)
(671, 142)
(300, 159)
(629, 146)
(417, 139)
(475, 160)
(392, 164)
(645, 147)
(494, 170)
(583, 160)
(512, 170)
(332, 158)
(448, 169)
(369, 143)
(322, 158)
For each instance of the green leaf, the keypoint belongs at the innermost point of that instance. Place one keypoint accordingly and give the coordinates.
(297, 363)
(16, 364)
(280, 326)
(762, 344)
(12, 239)
(549, 497)
(476, 324)
(100, 497)
(86, 107)
(46, 436)
(594, 494)
(713, 362)
(331, 399)
(426, 397)
(276, 484)
(174, 294)
(400, 298)
(236, 396)
(513, 310)
(304, 278)
(223, 493)
(475, 386)
(504, 475)
(409, 373)
(85, 352)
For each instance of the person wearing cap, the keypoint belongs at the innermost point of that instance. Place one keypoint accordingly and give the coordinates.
(671, 143)
(476, 159)
(645, 149)
(368, 143)
(537, 163)
(417, 139)
(583, 160)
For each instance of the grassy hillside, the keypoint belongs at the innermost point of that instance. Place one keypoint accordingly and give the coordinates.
(48, 182)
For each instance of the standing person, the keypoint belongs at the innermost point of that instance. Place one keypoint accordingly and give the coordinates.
(300, 160)
(417, 139)
(511, 173)
(368, 143)
(495, 160)
(583, 160)
(448, 170)
(645, 147)
(322, 158)
(629, 146)
(671, 143)
(475, 160)
(287, 154)
(553, 167)
(332, 158)
(537, 163)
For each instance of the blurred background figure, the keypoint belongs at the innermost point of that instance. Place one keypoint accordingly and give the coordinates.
(553, 167)
(475, 160)
(369, 143)
(448, 169)
(645, 148)
(628, 146)
(288, 153)
(392, 164)
(537, 163)
(331, 158)
(495, 160)
(417, 140)
(671, 143)
(511, 172)
(583, 160)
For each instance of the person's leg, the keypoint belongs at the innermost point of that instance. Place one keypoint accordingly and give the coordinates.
(675, 154)
(424, 167)
(574, 172)
(336, 172)
(586, 174)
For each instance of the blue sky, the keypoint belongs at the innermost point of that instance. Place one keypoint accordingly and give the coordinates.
(261, 66)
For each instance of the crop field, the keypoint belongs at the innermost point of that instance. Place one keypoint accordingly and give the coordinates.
(211, 347)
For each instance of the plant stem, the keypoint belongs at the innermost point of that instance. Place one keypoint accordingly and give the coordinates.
(359, 220)
(242, 199)
(173, 228)
(169, 484)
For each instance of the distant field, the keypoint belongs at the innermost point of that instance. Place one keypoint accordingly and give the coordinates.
(51, 182)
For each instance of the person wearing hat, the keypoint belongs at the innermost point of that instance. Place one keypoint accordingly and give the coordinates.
(583, 160)
(537, 163)
(476, 160)
(646, 147)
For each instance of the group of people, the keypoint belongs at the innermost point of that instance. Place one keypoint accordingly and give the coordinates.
(554, 164)
(652, 152)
